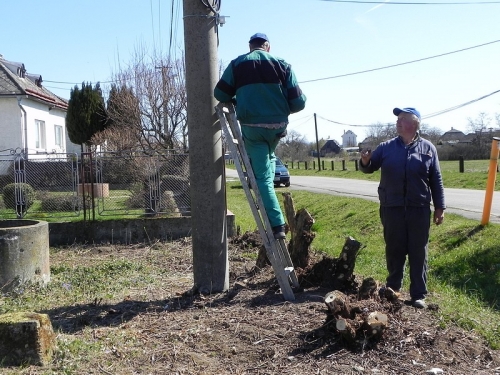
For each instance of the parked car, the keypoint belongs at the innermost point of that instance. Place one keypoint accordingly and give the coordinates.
(281, 175)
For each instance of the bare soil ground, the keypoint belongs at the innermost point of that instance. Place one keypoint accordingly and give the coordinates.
(251, 329)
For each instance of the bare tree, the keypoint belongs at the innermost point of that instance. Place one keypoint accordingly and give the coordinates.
(431, 134)
(379, 132)
(156, 102)
(293, 146)
(479, 126)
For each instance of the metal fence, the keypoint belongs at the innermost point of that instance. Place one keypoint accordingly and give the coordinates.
(90, 185)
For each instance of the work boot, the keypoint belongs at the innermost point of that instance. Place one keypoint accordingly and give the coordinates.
(279, 232)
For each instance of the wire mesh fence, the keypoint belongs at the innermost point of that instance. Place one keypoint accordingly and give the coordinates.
(128, 183)
(92, 185)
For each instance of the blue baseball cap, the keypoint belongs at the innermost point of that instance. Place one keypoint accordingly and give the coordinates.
(259, 36)
(413, 111)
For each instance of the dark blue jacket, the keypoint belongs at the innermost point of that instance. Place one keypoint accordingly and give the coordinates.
(265, 88)
(410, 175)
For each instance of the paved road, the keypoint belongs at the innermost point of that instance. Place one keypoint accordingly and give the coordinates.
(464, 202)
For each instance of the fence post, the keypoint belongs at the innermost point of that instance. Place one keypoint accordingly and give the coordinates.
(356, 164)
(305, 165)
(343, 165)
(332, 166)
(490, 185)
(461, 164)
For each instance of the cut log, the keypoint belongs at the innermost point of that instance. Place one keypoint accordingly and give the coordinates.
(343, 277)
(338, 304)
(345, 328)
(367, 289)
(375, 324)
(389, 294)
(300, 224)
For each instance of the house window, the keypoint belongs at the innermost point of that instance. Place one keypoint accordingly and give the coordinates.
(58, 135)
(40, 134)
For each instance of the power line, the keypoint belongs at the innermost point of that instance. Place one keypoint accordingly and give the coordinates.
(412, 3)
(349, 74)
(458, 106)
(400, 64)
(434, 114)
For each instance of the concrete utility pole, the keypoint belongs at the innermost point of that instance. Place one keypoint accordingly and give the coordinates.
(206, 161)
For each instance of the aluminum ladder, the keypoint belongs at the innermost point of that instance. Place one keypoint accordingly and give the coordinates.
(276, 249)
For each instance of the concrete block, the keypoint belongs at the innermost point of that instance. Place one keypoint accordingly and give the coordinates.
(26, 338)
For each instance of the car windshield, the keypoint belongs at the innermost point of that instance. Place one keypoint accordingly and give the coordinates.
(278, 161)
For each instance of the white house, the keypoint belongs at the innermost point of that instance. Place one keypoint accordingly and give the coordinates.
(349, 139)
(32, 119)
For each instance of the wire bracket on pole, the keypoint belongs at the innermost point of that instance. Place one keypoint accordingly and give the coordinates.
(276, 249)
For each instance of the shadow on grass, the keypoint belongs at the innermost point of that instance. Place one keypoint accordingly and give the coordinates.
(476, 274)
(71, 319)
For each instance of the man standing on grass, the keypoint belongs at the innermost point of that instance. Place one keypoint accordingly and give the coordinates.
(410, 178)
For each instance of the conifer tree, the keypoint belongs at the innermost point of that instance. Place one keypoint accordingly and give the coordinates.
(86, 113)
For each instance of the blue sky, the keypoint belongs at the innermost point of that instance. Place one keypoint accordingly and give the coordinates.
(69, 41)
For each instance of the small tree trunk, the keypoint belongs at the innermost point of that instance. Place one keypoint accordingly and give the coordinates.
(367, 289)
(343, 277)
(300, 224)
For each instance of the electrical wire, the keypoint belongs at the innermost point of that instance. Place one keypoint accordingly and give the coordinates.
(458, 106)
(171, 28)
(434, 114)
(412, 3)
(400, 64)
(347, 74)
(214, 7)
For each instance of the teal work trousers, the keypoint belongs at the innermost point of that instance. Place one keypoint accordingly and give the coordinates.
(260, 144)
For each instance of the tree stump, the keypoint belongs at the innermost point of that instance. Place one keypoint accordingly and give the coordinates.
(338, 304)
(300, 224)
(375, 324)
(347, 329)
(367, 289)
(343, 277)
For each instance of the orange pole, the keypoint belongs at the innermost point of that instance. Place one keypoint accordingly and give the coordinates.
(490, 185)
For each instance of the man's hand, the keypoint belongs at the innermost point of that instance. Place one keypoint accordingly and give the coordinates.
(366, 155)
(438, 216)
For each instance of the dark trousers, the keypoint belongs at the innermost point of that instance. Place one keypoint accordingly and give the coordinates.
(406, 233)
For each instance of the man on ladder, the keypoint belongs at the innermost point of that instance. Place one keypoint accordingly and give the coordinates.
(265, 92)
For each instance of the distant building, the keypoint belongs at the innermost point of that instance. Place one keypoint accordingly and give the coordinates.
(330, 147)
(349, 139)
(452, 136)
(32, 118)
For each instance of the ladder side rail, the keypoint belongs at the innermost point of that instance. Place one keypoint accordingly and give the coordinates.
(251, 176)
(236, 152)
(287, 261)
(278, 255)
(240, 157)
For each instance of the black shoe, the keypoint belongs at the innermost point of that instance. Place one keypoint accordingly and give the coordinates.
(419, 303)
(279, 232)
